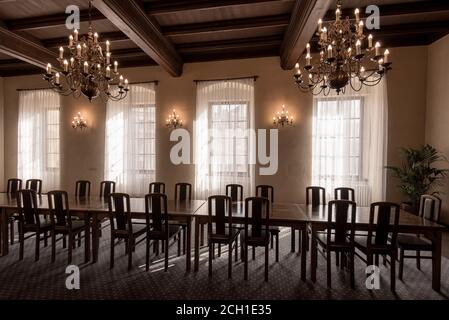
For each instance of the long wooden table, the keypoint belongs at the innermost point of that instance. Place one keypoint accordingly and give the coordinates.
(282, 214)
(97, 210)
(408, 223)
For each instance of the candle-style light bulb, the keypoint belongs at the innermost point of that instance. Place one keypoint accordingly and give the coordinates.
(86, 67)
(360, 28)
(95, 37)
(108, 72)
(108, 57)
(48, 68)
(66, 65)
(377, 46)
(61, 53)
(358, 46)
(115, 66)
(386, 55)
(78, 50)
(108, 44)
(320, 25)
(76, 35)
(308, 48)
(370, 41)
(329, 51)
(357, 15)
(70, 40)
(57, 78)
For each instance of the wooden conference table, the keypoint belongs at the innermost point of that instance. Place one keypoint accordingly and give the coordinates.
(97, 209)
(408, 223)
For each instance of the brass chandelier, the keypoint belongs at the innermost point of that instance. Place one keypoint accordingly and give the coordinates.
(87, 69)
(347, 57)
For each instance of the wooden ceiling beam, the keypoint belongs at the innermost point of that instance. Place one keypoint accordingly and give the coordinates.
(130, 18)
(22, 48)
(301, 28)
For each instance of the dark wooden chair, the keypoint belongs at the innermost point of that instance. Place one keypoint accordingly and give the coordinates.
(158, 227)
(339, 235)
(82, 189)
(221, 230)
(106, 188)
(235, 191)
(122, 226)
(257, 233)
(62, 223)
(429, 209)
(381, 237)
(183, 192)
(30, 221)
(344, 193)
(12, 187)
(34, 184)
(267, 191)
(157, 187)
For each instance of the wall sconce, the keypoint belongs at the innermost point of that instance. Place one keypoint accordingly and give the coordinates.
(79, 122)
(282, 118)
(174, 121)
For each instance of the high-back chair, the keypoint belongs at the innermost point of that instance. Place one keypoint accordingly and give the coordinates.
(235, 191)
(82, 188)
(157, 187)
(62, 223)
(34, 184)
(315, 196)
(29, 220)
(429, 209)
(381, 237)
(220, 228)
(183, 191)
(12, 187)
(157, 225)
(344, 193)
(267, 191)
(106, 188)
(122, 226)
(339, 235)
(257, 234)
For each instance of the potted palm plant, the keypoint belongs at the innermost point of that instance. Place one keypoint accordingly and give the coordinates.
(418, 175)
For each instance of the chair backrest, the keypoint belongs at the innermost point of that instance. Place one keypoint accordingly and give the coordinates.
(34, 184)
(82, 188)
(27, 207)
(339, 211)
(344, 194)
(257, 215)
(106, 188)
(183, 191)
(235, 191)
(381, 228)
(219, 207)
(430, 207)
(157, 187)
(58, 205)
(265, 191)
(156, 210)
(13, 185)
(315, 196)
(120, 210)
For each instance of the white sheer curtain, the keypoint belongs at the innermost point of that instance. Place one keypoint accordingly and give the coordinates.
(130, 156)
(38, 137)
(224, 144)
(350, 142)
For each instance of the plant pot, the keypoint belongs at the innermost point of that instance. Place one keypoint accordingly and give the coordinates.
(410, 207)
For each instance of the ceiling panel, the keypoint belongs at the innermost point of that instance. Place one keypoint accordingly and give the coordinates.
(17, 9)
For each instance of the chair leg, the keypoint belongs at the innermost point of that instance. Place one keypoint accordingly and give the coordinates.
(267, 252)
(211, 250)
(130, 252)
(401, 264)
(64, 242)
(86, 244)
(147, 254)
(184, 239)
(376, 260)
(271, 240)
(71, 243)
(179, 244)
(21, 240)
(166, 254)
(46, 239)
(393, 272)
(202, 234)
(36, 253)
(79, 239)
(219, 250)
(53, 246)
(328, 262)
(236, 253)
(351, 269)
(277, 247)
(11, 232)
(245, 258)
(337, 258)
(299, 241)
(418, 260)
(254, 253)
(293, 241)
(230, 260)
(111, 262)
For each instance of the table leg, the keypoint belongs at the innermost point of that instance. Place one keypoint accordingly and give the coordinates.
(4, 225)
(303, 252)
(189, 243)
(436, 262)
(197, 245)
(313, 255)
(95, 238)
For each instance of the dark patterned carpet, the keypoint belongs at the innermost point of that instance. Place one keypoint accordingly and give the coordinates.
(43, 280)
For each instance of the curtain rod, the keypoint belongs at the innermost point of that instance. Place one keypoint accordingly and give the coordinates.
(156, 82)
(224, 79)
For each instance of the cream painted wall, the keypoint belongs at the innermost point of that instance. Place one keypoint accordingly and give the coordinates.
(83, 152)
(437, 115)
